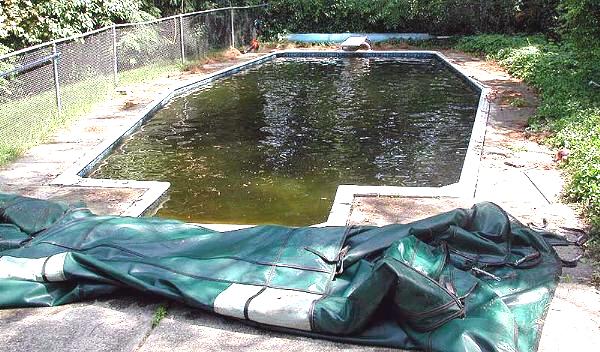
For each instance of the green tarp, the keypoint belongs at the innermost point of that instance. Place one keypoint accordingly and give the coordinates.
(466, 280)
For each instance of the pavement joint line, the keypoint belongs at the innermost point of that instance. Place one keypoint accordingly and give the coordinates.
(151, 326)
(536, 186)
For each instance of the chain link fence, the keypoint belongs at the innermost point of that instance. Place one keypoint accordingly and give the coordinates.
(44, 86)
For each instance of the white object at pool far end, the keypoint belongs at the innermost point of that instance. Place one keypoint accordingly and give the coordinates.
(354, 43)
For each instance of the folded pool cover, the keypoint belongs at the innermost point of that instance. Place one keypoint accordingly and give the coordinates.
(466, 280)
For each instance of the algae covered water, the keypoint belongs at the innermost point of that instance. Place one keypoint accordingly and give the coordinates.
(271, 144)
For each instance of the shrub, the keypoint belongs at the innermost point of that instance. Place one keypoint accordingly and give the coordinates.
(570, 105)
(433, 16)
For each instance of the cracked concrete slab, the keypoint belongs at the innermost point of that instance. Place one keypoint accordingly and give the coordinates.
(573, 320)
(381, 211)
(99, 200)
(106, 325)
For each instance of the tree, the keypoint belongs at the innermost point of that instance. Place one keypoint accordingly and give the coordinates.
(28, 22)
(581, 22)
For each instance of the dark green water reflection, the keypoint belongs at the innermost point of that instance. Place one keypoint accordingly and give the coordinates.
(270, 145)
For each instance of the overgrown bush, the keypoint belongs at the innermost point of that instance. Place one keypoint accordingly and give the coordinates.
(581, 22)
(434, 16)
(28, 22)
(570, 107)
(140, 44)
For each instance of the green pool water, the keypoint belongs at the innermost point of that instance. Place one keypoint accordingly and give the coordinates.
(271, 144)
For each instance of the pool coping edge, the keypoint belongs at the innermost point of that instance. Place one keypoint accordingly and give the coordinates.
(156, 191)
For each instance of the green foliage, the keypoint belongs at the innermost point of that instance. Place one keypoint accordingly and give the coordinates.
(582, 134)
(142, 43)
(496, 46)
(3, 49)
(581, 22)
(518, 102)
(434, 16)
(570, 105)
(159, 314)
(5, 65)
(28, 22)
(8, 153)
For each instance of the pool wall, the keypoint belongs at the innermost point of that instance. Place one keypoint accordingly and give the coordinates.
(155, 191)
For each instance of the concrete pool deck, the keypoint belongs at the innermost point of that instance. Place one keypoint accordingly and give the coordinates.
(515, 172)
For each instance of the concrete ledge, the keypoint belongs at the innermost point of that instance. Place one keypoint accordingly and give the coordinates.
(345, 195)
(119, 324)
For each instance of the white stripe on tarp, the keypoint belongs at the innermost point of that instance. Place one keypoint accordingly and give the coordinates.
(31, 268)
(232, 300)
(278, 307)
(55, 267)
(286, 308)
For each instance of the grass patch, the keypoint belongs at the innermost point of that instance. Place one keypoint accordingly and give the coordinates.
(518, 102)
(28, 121)
(570, 105)
(8, 153)
(159, 314)
(148, 73)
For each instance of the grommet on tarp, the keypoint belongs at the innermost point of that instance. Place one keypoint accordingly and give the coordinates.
(478, 271)
(340, 260)
(527, 258)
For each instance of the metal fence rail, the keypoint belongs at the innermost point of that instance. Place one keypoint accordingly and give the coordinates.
(43, 86)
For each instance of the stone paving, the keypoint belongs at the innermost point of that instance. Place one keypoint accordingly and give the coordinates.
(515, 172)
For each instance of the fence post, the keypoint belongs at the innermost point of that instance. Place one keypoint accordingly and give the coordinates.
(114, 47)
(181, 39)
(56, 84)
(232, 29)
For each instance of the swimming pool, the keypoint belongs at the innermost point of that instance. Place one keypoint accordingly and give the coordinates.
(271, 143)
